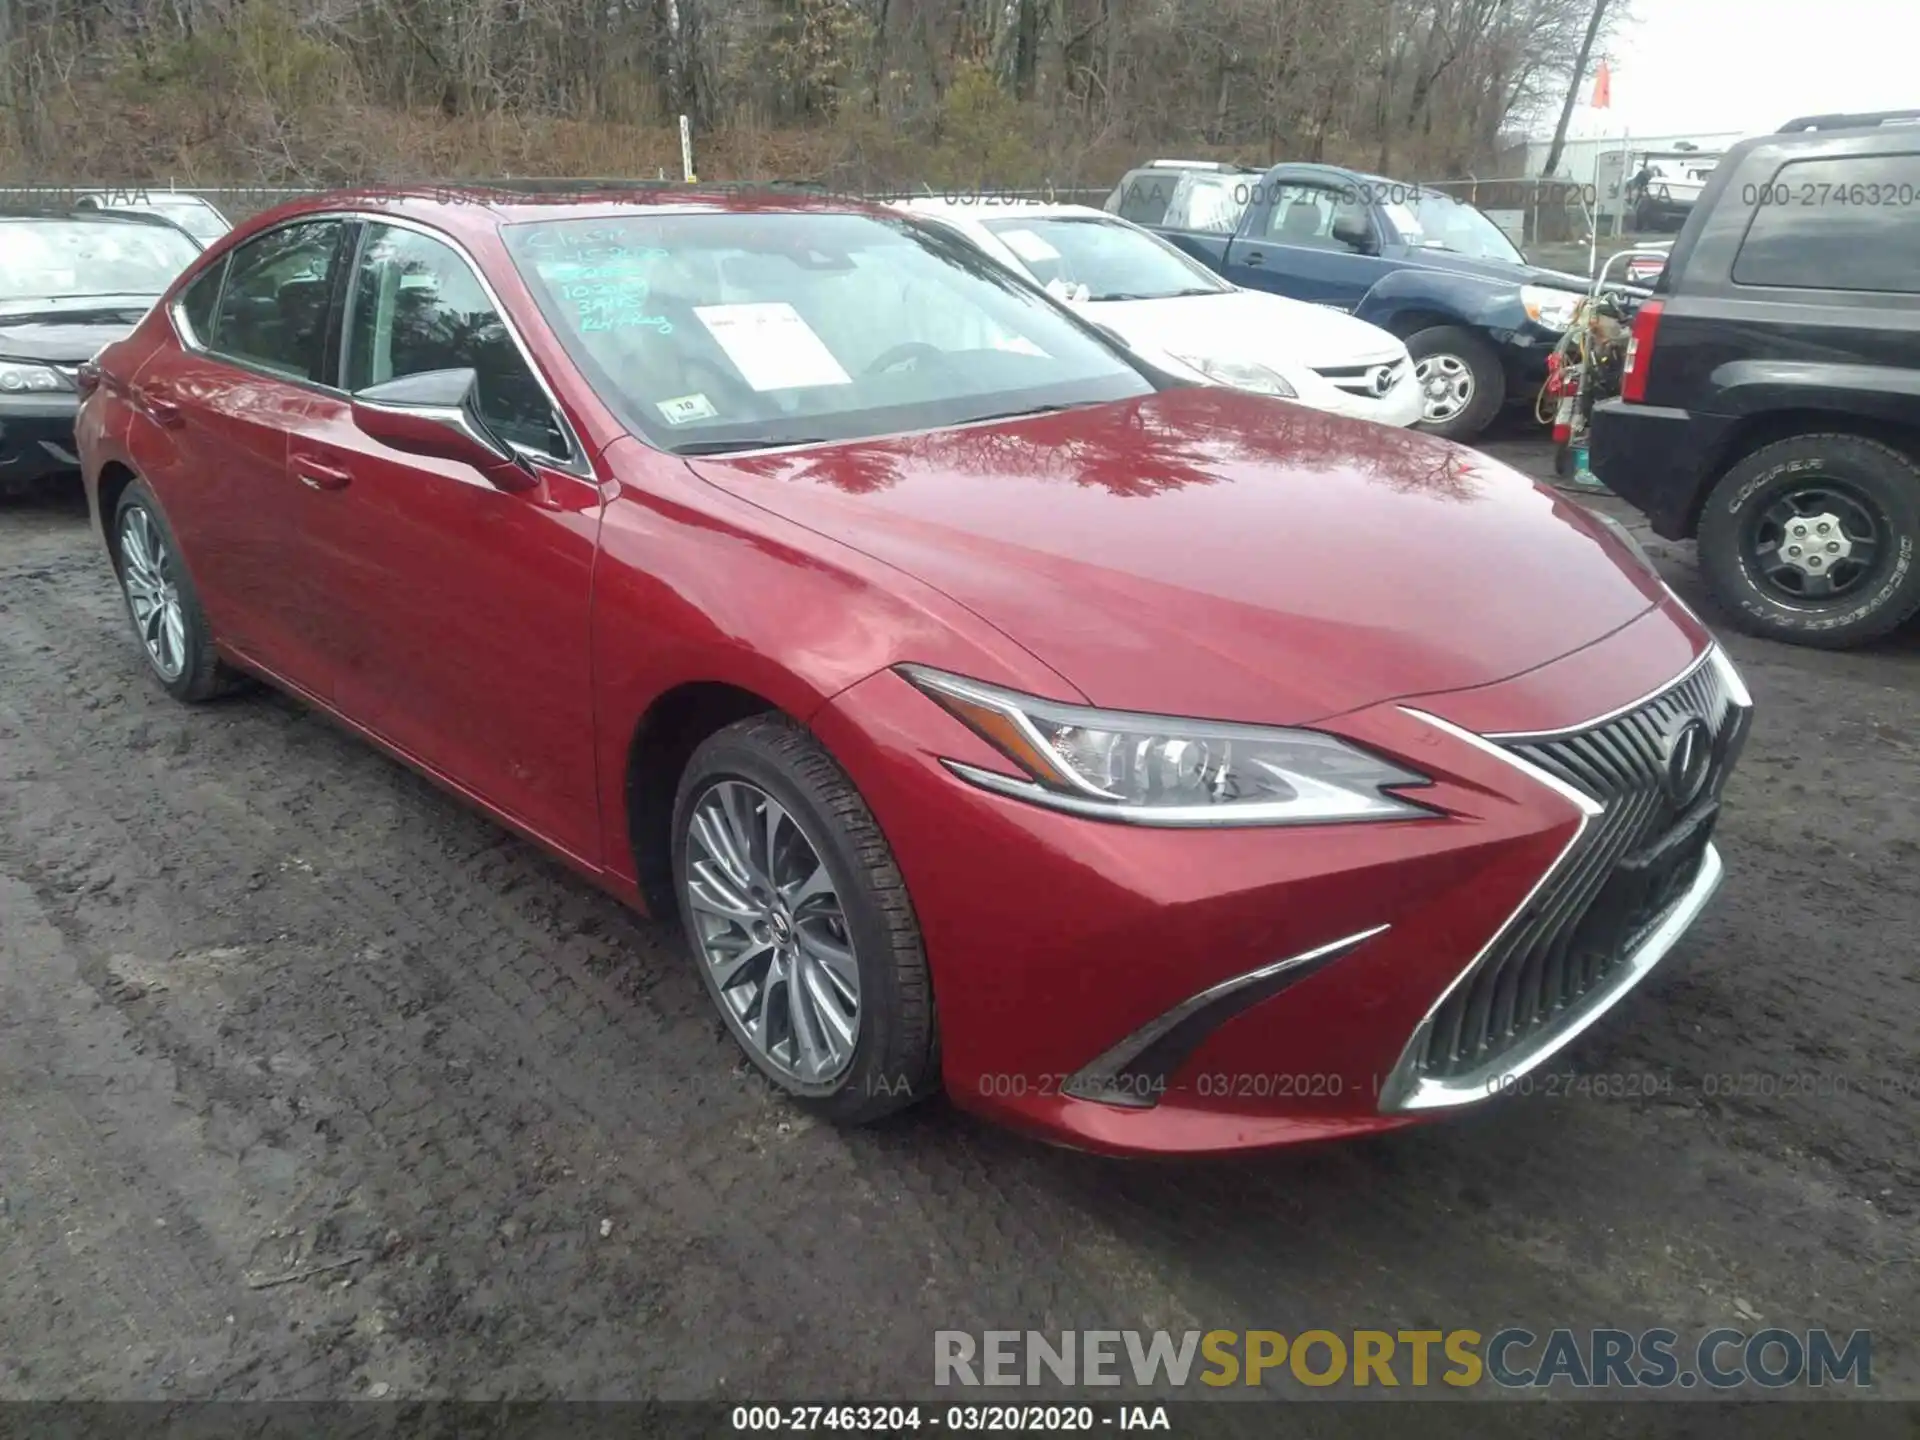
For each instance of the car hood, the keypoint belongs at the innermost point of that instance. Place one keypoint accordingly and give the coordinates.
(66, 335)
(1247, 325)
(1505, 272)
(1207, 552)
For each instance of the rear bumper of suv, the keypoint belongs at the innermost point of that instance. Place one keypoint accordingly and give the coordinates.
(1656, 459)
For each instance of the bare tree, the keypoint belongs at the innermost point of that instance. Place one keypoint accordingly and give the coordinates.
(1574, 82)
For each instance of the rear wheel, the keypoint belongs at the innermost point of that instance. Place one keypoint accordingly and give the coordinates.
(1462, 383)
(165, 608)
(1813, 540)
(800, 924)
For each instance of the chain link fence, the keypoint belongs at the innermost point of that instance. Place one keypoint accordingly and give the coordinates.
(241, 202)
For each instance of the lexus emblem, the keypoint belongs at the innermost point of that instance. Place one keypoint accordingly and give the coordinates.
(1382, 379)
(1689, 750)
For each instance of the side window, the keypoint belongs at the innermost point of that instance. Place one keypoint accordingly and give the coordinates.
(273, 311)
(197, 302)
(1144, 195)
(1316, 216)
(1851, 224)
(1210, 204)
(418, 306)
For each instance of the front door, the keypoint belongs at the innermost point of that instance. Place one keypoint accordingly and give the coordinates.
(1314, 245)
(462, 610)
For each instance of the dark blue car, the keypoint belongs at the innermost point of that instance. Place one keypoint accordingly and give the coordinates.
(1478, 320)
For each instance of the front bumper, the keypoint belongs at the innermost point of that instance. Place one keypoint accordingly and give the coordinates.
(1346, 390)
(1656, 459)
(1140, 991)
(36, 436)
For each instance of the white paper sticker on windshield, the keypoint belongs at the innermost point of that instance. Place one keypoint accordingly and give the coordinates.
(687, 407)
(771, 346)
(1029, 246)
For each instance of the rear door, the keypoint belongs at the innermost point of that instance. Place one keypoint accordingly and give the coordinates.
(459, 612)
(217, 411)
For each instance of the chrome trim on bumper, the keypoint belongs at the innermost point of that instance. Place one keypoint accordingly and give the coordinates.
(1126, 1075)
(1407, 1088)
(1403, 1093)
(1712, 655)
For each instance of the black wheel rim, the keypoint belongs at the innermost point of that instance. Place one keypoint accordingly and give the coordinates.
(1818, 543)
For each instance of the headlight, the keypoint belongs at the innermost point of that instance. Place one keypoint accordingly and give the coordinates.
(1157, 770)
(1554, 309)
(16, 377)
(1242, 375)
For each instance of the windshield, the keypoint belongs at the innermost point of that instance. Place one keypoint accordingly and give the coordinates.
(713, 331)
(1114, 261)
(1430, 219)
(71, 259)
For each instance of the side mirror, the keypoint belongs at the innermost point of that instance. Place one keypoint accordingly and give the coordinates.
(1355, 233)
(437, 413)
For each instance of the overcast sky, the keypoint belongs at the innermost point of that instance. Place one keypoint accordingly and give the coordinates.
(1750, 65)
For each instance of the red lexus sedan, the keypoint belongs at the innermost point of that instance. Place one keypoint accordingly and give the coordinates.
(1156, 767)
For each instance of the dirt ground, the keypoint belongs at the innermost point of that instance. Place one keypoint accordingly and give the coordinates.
(314, 1084)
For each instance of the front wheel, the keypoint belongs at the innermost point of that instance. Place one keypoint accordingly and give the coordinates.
(800, 925)
(1812, 540)
(1462, 383)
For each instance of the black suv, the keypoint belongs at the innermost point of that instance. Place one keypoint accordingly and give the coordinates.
(1770, 402)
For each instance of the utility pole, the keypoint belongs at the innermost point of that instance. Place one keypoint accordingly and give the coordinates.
(1573, 87)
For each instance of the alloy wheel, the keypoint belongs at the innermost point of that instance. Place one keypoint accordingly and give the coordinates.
(1446, 387)
(147, 574)
(1816, 542)
(773, 934)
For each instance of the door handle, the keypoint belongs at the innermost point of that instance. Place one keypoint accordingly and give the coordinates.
(159, 409)
(1256, 258)
(317, 476)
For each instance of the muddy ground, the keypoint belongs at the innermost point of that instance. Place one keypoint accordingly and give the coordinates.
(314, 1084)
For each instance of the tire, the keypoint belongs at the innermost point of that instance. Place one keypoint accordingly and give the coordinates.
(1480, 365)
(1818, 474)
(894, 1057)
(199, 673)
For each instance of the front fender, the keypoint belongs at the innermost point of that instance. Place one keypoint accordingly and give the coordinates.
(693, 585)
(1438, 297)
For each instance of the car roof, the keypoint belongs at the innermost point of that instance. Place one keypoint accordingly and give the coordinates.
(1224, 167)
(110, 200)
(104, 215)
(1011, 209)
(468, 209)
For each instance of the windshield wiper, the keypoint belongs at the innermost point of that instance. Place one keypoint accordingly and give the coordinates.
(1022, 414)
(752, 442)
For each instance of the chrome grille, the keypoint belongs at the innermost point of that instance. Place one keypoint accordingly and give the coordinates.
(1582, 925)
(1359, 379)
